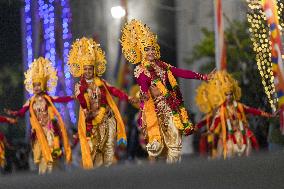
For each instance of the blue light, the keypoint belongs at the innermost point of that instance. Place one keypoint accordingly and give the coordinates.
(47, 55)
(66, 44)
(67, 37)
(46, 13)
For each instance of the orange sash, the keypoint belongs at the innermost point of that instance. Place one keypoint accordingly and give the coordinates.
(120, 128)
(41, 136)
(151, 119)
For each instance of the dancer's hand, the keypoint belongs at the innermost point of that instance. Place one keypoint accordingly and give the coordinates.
(211, 74)
(144, 97)
(133, 100)
(12, 120)
(188, 131)
(9, 112)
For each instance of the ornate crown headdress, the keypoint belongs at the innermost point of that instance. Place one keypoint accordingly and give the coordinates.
(221, 84)
(84, 52)
(43, 72)
(136, 36)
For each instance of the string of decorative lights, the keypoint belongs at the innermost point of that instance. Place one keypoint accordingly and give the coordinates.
(46, 12)
(28, 32)
(67, 37)
(262, 46)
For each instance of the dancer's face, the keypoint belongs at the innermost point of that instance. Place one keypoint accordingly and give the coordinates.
(89, 72)
(37, 88)
(229, 97)
(150, 53)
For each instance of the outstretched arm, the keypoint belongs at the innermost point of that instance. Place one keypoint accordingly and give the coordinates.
(4, 119)
(256, 111)
(187, 74)
(116, 92)
(62, 99)
(21, 112)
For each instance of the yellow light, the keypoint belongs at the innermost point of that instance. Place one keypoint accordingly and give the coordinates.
(262, 46)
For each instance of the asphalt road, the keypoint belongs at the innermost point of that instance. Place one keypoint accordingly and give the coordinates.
(257, 172)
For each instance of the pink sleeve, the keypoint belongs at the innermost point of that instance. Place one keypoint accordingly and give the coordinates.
(144, 82)
(255, 111)
(21, 112)
(117, 92)
(187, 74)
(63, 99)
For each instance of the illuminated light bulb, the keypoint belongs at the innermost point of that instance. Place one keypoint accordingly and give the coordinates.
(117, 12)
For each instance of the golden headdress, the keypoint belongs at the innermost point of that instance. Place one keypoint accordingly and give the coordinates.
(220, 84)
(202, 98)
(136, 36)
(212, 94)
(86, 51)
(43, 72)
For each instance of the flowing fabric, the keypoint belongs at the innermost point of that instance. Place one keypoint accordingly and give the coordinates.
(41, 136)
(151, 119)
(120, 128)
(66, 144)
(85, 149)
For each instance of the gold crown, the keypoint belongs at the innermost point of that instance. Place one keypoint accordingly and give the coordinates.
(85, 52)
(43, 72)
(136, 36)
(221, 84)
(202, 98)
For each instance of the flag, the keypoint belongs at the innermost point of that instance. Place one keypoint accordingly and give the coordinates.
(220, 48)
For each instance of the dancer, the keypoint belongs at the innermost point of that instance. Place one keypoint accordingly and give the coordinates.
(164, 117)
(235, 138)
(100, 121)
(47, 127)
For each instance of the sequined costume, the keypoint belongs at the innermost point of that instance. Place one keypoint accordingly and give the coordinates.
(163, 115)
(97, 134)
(48, 132)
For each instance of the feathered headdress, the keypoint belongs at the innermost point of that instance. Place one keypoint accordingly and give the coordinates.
(136, 36)
(43, 72)
(84, 52)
